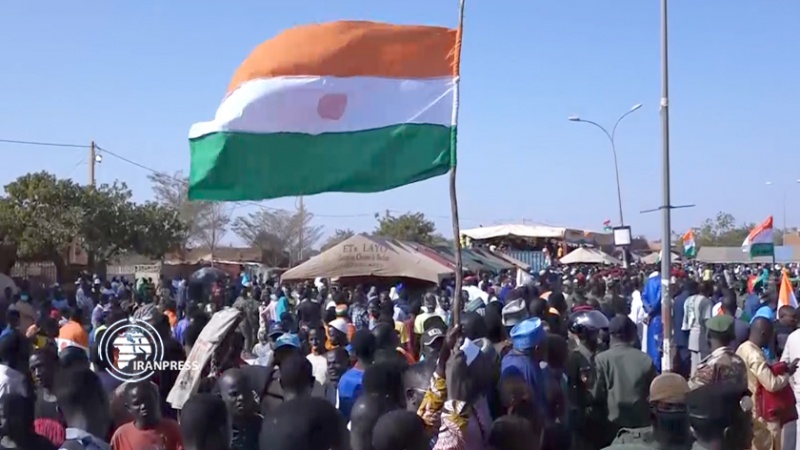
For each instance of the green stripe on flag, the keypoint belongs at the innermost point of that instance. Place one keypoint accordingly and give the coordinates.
(231, 166)
(765, 249)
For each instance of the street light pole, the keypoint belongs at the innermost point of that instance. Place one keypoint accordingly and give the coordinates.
(611, 139)
(784, 190)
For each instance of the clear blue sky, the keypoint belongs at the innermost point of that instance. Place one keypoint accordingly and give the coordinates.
(135, 75)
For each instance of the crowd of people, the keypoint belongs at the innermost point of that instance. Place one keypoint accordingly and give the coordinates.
(569, 360)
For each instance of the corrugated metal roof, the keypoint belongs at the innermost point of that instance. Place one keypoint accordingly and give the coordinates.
(723, 255)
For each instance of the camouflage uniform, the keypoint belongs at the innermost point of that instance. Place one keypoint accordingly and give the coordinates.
(721, 365)
(250, 321)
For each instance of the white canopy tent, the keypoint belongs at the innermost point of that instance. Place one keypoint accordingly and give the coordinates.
(526, 231)
(541, 232)
(585, 255)
(654, 258)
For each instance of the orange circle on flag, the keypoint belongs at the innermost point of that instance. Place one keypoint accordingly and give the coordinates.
(332, 106)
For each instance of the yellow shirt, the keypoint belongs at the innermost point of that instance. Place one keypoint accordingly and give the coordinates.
(402, 330)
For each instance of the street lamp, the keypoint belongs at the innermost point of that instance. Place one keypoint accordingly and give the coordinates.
(613, 149)
(784, 188)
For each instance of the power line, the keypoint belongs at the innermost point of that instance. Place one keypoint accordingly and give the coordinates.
(244, 202)
(180, 180)
(82, 160)
(43, 144)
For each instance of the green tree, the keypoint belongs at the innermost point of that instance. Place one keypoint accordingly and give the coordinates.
(337, 238)
(411, 227)
(157, 230)
(107, 226)
(42, 216)
(724, 231)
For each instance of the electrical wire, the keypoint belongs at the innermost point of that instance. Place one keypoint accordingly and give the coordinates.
(77, 164)
(172, 177)
(44, 144)
(240, 203)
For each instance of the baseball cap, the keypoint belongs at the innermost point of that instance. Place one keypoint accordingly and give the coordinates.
(431, 335)
(669, 388)
(287, 339)
(434, 321)
(276, 328)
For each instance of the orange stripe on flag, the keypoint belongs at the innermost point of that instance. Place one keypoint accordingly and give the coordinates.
(766, 225)
(786, 295)
(351, 49)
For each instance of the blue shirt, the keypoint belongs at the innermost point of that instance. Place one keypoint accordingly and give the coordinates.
(180, 328)
(349, 390)
(282, 307)
(751, 304)
(520, 364)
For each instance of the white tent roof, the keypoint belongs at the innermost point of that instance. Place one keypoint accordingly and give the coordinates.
(528, 231)
(653, 258)
(585, 255)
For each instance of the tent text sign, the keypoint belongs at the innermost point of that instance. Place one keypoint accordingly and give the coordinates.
(369, 256)
(365, 254)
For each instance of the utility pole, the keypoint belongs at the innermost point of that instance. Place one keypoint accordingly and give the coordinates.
(666, 231)
(666, 204)
(301, 224)
(92, 162)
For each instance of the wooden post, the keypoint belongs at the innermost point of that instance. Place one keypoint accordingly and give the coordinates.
(457, 306)
(92, 162)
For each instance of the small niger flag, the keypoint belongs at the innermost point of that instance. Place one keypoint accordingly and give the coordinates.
(751, 283)
(786, 295)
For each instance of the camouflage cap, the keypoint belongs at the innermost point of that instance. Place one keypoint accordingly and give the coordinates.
(722, 323)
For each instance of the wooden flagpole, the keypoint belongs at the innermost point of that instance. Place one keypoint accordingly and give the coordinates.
(457, 306)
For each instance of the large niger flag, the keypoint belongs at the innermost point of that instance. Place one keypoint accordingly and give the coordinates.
(335, 107)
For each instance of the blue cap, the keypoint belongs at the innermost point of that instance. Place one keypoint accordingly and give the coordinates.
(287, 339)
(276, 328)
(765, 312)
(527, 334)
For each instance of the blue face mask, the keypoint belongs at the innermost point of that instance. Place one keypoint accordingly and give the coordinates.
(24, 297)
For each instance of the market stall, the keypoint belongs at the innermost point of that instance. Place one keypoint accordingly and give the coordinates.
(367, 256)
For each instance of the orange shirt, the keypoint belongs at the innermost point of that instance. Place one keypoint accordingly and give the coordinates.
(72, 333)
(166, 435)
(173, 318)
